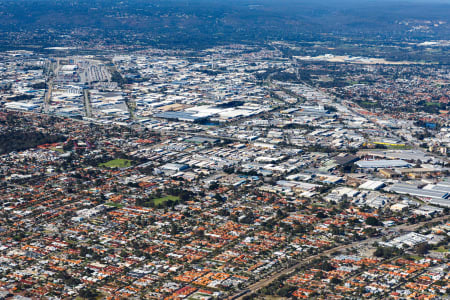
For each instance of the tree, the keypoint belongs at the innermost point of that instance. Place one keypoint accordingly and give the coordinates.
(318, 275)
(286, 291)
(214, 185)
(228, 170)
(321, 215)
(373, 221)
(88, 293)
(422, 248)
(370, 231)
(326, 266)
(174, 229)
(185, 195)
(280, 214)
(249, 297)
(386, 252)
(335, 280)
(218, 197)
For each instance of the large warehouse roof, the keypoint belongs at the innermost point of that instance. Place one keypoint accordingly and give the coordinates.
(383, 163)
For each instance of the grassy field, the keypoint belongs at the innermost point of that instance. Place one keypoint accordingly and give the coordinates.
(161, 200)
(441, 249)
(116, 163)
(416, 257)
(57, 149)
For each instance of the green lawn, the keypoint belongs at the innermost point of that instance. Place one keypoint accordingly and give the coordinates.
(416, 257)
(161, 200)
(441, 249)
(116, 163)
(57, 149)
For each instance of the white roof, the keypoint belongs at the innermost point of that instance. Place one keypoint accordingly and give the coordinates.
(371, 185)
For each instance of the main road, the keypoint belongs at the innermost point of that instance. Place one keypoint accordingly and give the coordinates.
(48, 96)
(53, 71)
(87, 103)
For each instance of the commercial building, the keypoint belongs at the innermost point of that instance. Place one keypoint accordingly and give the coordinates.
(382, 164)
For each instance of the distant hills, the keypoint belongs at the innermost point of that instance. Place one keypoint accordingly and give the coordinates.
(204, 23)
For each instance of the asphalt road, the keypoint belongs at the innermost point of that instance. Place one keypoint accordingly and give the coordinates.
(87, 103)
(48, 96)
